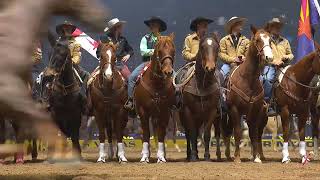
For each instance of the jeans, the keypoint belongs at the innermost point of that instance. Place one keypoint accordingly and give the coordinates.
(124, 70)
(268, 77)
(133, 78)
(225, 70)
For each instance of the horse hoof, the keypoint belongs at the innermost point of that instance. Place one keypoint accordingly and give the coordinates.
(286, 160)
(144, 160)
(123, 160)
(194, 158)
(19, 161)
(207, 157)
(2, 161)
(161, 160)
(257, 160)
(237, 160)
(263, 158)
(101, 160)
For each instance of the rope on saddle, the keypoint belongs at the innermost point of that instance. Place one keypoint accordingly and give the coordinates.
(190, 67)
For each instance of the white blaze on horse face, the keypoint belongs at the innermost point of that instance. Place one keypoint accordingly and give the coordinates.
(266, 46)
(209, 42)
(108, 71)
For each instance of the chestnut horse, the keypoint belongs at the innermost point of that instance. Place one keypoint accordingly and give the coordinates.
(201, 100)
(107, 96)
(154, 95)
(293, 96)
(245, 95)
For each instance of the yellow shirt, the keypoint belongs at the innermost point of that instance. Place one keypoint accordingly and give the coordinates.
(281, 50)
(75, 51)
(36, 55)
(228, 52)
(191, 47)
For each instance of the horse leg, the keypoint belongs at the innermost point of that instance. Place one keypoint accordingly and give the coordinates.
(235, 117)
(261, 127)
(110, 137)
(146, 136)
(253, 131)
(302, 119)
(285, 126)
(100, 120)
(207, 133)
(315, 130)
(120, 124)
(227, 127)
(162, 124)
(19, 156)
(184, 123)
(75, 141)
(34, 153)
(217, 132)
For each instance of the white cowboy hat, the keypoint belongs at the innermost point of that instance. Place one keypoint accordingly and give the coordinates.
(112, 23)
(232, 21)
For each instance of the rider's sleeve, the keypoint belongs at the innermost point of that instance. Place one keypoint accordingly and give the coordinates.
(128, 48)
(76, 54)
(144, 48)
(289, 54)
(243, 48)
(186, 52)
(223, 52)
(37, 55)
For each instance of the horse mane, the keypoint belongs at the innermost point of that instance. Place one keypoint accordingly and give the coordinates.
(164, 41)
(304, 59)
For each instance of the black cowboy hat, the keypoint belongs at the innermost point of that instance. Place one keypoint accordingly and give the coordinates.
(59, 28)
(274, 22)
(196, 21)
(163, 25)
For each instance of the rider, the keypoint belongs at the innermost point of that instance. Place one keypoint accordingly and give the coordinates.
(233, 46)
(65, 31)
(124, 51)
(148, 41)
(199, 27)
(282, 55)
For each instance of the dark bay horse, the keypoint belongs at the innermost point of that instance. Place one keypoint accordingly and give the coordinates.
(201, 100)
(245, 95)
(293, 96)
(107, 96)
(66, 103)
(154, 95)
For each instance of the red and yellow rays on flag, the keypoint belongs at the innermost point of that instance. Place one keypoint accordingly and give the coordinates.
(304, 21)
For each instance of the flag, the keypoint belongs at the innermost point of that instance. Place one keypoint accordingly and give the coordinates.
(86, 42)
(309, 16)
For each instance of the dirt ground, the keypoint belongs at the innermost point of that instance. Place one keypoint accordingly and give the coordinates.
(176, 168)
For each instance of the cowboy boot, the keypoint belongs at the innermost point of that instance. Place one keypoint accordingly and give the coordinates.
(129, 106)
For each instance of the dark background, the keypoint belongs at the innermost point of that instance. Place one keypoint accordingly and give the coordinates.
(179, 13)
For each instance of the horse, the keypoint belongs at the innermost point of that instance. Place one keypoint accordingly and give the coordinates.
(66, 103)
(245, 96)
(293, 96)
(107, 96)
(201, 99)
(155, 95)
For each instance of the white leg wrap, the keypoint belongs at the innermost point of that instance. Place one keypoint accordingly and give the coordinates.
(302, 148)
(102, 153)
(161, 152)
(285, 153)
(121, 155)
(145, 152)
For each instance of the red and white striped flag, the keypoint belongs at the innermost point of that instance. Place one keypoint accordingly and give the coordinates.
(86, 42)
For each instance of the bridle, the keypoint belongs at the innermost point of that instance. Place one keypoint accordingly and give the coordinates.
(160, 62)
(260, 50)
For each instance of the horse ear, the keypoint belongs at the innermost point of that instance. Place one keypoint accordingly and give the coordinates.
(216, 36)
(172, 36)
(253, 29)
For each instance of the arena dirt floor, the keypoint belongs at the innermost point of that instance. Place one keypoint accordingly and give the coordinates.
(176, 168)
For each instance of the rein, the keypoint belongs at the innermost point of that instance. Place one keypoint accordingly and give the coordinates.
(299, 83)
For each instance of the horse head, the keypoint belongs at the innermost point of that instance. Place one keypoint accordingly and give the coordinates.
(163, 56)
(107, 60)
(58, 59)
(261, 40)
(208, 53)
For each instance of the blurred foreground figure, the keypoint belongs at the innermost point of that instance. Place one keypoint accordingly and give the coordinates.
(20, 22)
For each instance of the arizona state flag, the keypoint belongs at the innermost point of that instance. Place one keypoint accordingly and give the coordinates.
(309, 16)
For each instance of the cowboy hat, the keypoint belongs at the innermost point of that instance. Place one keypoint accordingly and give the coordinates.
(275, 21)
(196, 21)
(163, 25)
(113, 23)
(232, 21)
(59, 28)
